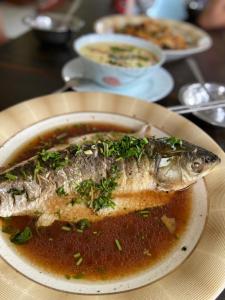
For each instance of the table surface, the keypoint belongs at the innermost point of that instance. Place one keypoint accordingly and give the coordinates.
(29, 69)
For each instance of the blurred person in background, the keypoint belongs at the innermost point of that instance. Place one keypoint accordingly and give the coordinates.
(212, 15)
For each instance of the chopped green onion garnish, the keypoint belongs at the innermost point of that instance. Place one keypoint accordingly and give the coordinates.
(76, 255)
(79, 261)
(118, 245)
(60, 191)
(10, 176)
(22, 237)
(78, 276)
(66, 228)
(142, 212)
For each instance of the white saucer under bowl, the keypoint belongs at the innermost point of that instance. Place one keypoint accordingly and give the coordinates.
(152, 87)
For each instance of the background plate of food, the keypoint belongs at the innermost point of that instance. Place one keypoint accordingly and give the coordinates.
(177, 39)
(78, 114)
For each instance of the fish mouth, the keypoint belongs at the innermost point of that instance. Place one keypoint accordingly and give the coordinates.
(211, 161)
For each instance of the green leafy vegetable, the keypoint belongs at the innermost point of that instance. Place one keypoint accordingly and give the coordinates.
(22, 237)
(79, 261)
(76, 255)
(118, 245)
(83, 224)
(78, 276)
(144, 213)
(53, 159)
(10, 176)
(60, 191)
(85, 188)
(173, 142)
(37, 168)
(66, 228)
(127, 147)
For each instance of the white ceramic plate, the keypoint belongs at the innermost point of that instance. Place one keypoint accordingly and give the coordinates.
(170, 262)
(203, 40)
(152, 87)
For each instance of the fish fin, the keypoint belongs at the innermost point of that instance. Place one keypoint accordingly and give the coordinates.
(144, 131)
(46, 219)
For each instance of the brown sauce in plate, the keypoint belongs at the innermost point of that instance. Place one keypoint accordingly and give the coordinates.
(111, 248)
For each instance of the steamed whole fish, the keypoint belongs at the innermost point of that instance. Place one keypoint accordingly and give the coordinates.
(100, 179)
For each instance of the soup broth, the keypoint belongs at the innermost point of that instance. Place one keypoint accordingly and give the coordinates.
(123, 55)
(111, 248)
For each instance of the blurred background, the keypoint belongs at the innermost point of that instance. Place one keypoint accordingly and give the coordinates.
(209, 14)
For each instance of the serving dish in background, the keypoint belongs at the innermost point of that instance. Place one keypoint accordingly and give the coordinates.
(50, 29)
(114, 76)
(197, 39)
(195, 94)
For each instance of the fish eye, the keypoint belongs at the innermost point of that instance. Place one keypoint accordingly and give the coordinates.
(197, 167)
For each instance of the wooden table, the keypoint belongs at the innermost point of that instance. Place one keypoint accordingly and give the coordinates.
(29, 69)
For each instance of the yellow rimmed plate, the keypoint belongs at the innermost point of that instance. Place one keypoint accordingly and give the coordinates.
(202, 276)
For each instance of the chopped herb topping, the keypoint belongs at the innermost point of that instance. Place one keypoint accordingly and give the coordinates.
(66, 228)
(174, 142)
(85, 189)
(22, 237)
(83, 224)
(76, 255)
(127, 147)
(118, 245)
(53, 159)
(79, 261)
(75, 149)
(98, 195)
(37, 168)
(143, 213)
(10, 176)
(75, 276)
(78, 276)
(118, 49)
(24, 174)
(60, 191)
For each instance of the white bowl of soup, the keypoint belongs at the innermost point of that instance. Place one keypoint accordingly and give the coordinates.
(115, 60)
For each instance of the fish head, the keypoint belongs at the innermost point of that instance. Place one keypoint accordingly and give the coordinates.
(182, 164)
(198, 161)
